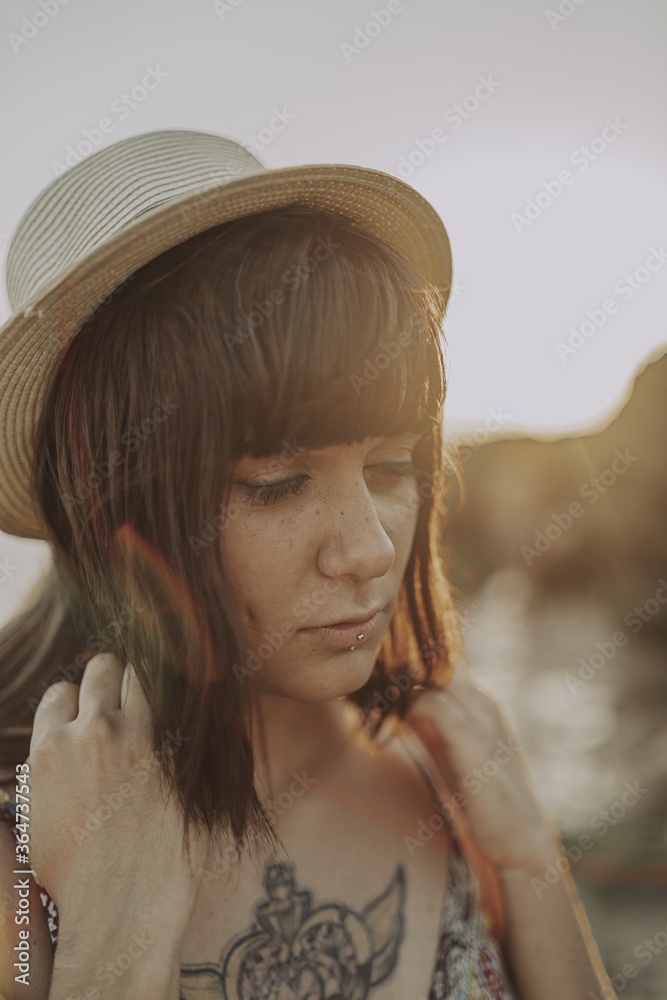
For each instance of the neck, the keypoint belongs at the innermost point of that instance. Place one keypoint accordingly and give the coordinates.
(297, 738)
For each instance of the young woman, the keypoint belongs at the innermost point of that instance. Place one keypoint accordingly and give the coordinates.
(243, 756)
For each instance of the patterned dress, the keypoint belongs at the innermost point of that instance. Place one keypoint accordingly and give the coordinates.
(469, 963)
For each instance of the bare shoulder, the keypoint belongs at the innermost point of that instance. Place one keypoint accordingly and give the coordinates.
(11, 910)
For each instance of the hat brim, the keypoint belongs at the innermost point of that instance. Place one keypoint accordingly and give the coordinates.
(33, 340)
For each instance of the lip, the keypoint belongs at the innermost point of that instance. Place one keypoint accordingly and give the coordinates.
(344, 634)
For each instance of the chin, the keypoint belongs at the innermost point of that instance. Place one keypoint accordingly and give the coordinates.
(335, 676)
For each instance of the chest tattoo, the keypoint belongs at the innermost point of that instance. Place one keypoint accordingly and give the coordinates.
(294, 952)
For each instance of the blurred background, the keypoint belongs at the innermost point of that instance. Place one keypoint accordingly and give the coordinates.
(536, 129)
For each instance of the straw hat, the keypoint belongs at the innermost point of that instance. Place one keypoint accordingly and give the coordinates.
(94, 225)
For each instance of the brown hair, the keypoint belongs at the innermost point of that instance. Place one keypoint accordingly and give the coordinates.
(288, 326)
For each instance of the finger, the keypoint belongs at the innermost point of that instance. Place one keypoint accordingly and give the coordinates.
(59, 705)
(429, 735)
(437, 704)
(134, 705)
(99, 692)
(435, 716)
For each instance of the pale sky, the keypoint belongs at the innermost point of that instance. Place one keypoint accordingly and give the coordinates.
(514, 88)
(532, 86)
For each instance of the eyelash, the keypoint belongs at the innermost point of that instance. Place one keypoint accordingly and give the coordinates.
(267, 493)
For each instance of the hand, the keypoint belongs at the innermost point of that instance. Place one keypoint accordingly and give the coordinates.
(479, 756)
(106, 839)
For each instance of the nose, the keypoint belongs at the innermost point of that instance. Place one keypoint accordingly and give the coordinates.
(354, 541)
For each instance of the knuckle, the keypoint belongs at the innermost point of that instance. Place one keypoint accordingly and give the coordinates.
(99, 728)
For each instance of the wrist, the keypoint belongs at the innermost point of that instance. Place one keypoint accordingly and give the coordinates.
(90, 940)
(83, 920)
(137, 958)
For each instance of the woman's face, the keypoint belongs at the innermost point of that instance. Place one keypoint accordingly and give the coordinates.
(318, 537)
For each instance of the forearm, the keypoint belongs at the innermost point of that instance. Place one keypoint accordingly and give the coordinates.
(550, 950)
(129, 960)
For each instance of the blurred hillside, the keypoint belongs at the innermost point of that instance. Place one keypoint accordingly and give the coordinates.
(520, 491)
(559, 552)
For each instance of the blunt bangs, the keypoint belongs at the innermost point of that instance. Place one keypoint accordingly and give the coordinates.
(325, 334)
(334, 340)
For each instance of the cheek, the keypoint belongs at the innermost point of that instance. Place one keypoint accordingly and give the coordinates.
(259, 559)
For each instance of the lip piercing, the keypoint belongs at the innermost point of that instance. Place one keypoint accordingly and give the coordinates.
(359, 638)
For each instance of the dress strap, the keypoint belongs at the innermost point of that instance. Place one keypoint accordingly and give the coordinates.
(490, 892)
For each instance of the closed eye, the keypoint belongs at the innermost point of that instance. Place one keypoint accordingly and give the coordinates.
(268, 493)
(258, 492)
